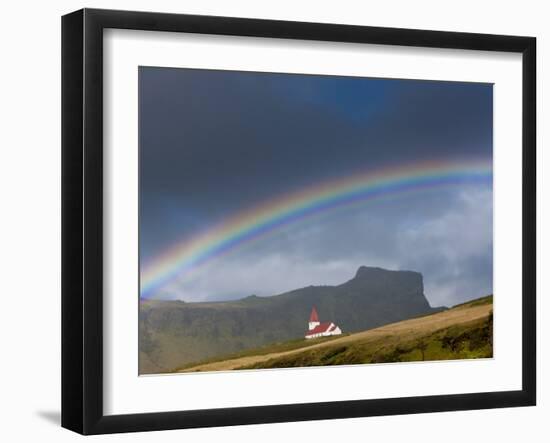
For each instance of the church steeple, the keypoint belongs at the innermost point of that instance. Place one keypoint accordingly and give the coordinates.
(313, 319)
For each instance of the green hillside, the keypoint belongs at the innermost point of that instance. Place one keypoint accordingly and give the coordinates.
(462, 332)
(468, 340)
(173, 334)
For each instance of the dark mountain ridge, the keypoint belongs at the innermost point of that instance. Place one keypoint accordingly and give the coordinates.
(174, 333)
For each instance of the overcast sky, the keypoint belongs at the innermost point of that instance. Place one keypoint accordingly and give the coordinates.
(213, 143)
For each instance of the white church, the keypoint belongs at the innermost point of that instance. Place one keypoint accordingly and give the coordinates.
(318, 329)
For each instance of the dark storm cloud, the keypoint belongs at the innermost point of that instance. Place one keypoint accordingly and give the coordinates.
(215, 142)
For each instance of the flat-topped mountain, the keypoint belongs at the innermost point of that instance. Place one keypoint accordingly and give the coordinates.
(174, 333)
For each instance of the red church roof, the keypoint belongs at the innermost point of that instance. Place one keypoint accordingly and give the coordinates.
(323, 327)
(313, 316)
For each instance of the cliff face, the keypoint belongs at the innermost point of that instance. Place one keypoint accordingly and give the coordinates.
(175, 333)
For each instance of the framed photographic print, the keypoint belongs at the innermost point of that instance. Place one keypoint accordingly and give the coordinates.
(269, 221)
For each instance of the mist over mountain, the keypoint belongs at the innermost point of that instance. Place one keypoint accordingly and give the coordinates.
(174, 333)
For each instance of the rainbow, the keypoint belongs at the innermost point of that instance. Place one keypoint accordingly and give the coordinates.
(263, 219)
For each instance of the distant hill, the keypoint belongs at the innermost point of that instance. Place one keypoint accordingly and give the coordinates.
(175, 333)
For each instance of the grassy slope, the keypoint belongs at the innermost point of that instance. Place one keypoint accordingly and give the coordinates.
(465, 331)
(462, 341)
(487, 300)
(264, 350)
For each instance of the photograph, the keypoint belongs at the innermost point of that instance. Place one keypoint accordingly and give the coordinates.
(291, 220)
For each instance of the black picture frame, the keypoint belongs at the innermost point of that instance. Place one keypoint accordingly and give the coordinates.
(82, 219)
